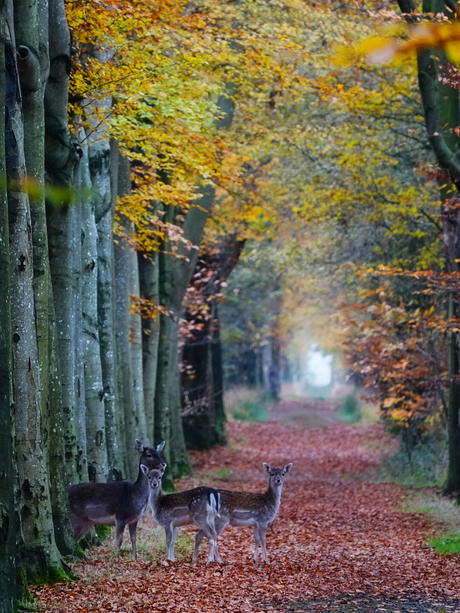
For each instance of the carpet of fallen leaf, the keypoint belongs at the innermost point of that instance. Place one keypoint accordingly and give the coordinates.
(339, 542)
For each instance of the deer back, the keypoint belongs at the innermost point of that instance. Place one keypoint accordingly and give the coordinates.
(248, 508)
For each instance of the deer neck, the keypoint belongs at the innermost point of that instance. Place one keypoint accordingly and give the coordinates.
(273, 495)
(156, 496)
(142, 483)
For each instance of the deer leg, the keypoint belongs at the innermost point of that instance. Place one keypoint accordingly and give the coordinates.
(80, 527)
(262, 540)
(170, 540)
(120, 528)
(257, 541)
(132, 533)
(198, 538)
(216, 553)
(212, 538)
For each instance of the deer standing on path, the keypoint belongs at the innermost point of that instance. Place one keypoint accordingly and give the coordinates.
(191, 506)
(117, 503)
(248, 509)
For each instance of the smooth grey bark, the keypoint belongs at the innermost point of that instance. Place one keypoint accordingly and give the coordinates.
(31, 29)
(94, 389)
(149, 289)
(59, 484)
(125, 381)
(8, 591)
(135, 346)
(100, 165)
(162, 417)
(122, 450)
(179, 459)
(61, 158)
(39, 554)
(77, 323)
(62, 242)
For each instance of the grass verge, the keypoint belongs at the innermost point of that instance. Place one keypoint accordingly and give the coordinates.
(246, 404)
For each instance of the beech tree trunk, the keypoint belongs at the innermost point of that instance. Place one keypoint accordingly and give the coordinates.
(135, 347)
(8, 595)
(100, 166)
(63, 242)
(94, 388)
(203, 408)
(125, 381)
(149, 289)
(39, 553)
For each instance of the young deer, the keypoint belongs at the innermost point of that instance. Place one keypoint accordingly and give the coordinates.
(191, 506)
(117, 503)
(248, 509)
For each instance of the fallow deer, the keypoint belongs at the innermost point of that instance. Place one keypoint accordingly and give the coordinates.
(118, 503)
(248, 509)
(191, 506)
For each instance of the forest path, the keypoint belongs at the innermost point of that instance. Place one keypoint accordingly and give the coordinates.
(338, 544)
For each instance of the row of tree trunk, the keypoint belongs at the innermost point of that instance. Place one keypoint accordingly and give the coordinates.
(81, 375)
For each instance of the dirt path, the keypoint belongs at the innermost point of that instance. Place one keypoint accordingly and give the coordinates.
(338, 544)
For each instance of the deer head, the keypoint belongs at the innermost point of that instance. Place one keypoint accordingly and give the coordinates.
(277, 474)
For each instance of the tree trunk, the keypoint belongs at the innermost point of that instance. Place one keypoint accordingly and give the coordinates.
(178, 451)
(204, 415)
(149, 289)
(78, 346)
(63, 233)
(125, 381)
(100, 166)
(94, 390)
(441, 110)
(8, 595)
(39, 555)
(31, 29)
(135, 347)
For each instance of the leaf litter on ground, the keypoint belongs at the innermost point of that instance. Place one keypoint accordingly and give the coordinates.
(339, 543)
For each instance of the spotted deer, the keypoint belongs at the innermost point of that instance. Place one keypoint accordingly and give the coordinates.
(248, 509)
(172, 511)
(118, 503)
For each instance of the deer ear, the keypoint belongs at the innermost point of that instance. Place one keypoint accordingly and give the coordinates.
(159, 447)
(288, 467)
(267, 467)
(145, 470)
(139, 446)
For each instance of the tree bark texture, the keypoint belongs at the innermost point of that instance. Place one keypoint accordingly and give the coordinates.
(63, 233)
(125, 385)
(100, 167)
(8, 592)
(149, 289)
(135, 347)
(94, 389)
(38, 552)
